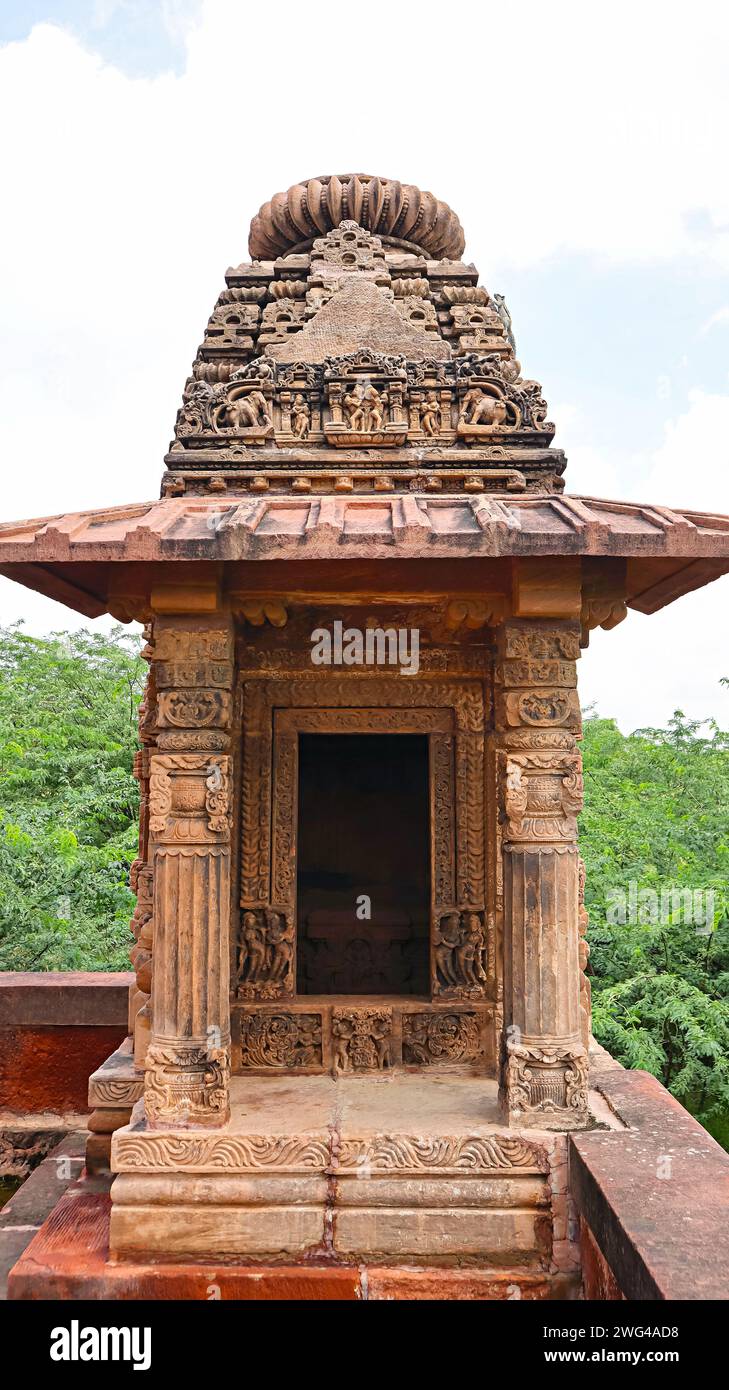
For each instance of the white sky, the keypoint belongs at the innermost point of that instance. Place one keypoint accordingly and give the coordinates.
(584, 148)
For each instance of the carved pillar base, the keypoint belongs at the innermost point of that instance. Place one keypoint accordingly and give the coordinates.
(545, 1085)
(186, 1085)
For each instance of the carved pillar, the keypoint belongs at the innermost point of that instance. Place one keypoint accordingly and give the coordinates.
(140, 1014)
(188, 1059)
(539, 773)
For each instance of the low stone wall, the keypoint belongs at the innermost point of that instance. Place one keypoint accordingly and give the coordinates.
(652, 1199)
(55, 1029)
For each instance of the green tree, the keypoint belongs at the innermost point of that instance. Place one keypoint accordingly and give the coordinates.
(655, 818)
(68, 801)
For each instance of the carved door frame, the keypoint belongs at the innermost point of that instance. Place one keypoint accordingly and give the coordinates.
(451, 713)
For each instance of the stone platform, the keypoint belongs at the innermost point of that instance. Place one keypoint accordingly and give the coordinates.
(69, 1260)
(359, 1169)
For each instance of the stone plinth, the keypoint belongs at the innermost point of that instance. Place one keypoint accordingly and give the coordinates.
(364, 1169)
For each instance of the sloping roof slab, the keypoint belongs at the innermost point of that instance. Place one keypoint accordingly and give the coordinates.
(70, 557)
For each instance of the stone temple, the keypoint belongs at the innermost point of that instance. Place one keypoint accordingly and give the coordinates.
(360, 1030)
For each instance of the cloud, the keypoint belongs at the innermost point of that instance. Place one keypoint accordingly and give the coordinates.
(690, 469)
(650, 665)
(720, 316)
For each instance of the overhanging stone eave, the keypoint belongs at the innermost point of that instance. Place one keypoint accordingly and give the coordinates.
(76, 558)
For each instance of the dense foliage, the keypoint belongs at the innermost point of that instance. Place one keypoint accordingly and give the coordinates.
(655, 818)
(68, 801)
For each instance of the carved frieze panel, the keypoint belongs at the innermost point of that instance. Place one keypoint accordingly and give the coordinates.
(314, 1034)
(524, 671)
(485, 409)
(173, 644)
(361, 399)
(202, 674)
(440, 1037)
(203, 1153)
(539, 643)
(398, 1152)
(193, 709)
(402, 1153)
(361, 1039)
(366, 400)
(540, 708)
(280, 1041)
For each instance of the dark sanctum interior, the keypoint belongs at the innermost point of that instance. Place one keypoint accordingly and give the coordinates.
(363, 864)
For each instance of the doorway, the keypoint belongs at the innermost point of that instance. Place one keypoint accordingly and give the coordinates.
(363, 868)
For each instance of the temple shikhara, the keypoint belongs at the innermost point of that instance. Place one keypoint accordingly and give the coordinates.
(360, 1029)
